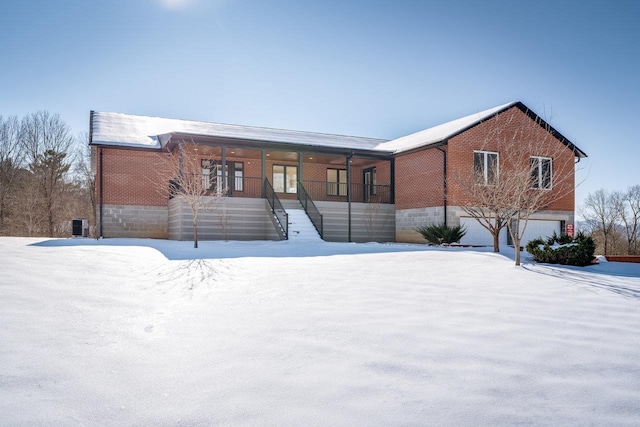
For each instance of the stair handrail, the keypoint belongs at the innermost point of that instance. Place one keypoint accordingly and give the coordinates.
(277, 209)
(311, 209)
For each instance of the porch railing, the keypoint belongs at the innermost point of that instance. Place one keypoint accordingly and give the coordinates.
(310, 208)
(337, 192)
(246, 186)
(281, 216)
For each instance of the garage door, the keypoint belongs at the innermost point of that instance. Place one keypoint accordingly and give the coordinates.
(539, 228)
(478, 235)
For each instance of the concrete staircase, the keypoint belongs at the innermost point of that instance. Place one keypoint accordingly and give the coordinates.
(301, 228)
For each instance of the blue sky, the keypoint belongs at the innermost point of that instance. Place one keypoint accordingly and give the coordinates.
(369, 68)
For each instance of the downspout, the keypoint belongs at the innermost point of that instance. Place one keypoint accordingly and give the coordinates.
(444, 182)
(392, 167)
(101, 191)
(349, 193)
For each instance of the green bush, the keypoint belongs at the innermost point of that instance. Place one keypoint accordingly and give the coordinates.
(563, 249)
(441, 234)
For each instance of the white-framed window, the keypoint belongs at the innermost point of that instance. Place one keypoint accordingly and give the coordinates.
(485, 166)
(541, 172)
(285, 179)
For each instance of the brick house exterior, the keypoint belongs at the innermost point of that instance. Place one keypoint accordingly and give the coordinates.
(365, 189)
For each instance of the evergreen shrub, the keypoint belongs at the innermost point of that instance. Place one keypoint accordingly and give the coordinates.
(439, 234)
(563, 249)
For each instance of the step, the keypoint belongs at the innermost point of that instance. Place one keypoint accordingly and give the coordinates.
(291, 204)
(301, 228)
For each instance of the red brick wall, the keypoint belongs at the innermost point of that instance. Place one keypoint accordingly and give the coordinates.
(129, 177)
(510, 122)
(419, 175)
(419, 179)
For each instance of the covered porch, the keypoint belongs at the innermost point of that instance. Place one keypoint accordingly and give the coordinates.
(348, 194)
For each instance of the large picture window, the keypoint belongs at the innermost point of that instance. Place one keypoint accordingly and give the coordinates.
(336, 182)
(485, 166)
(541, 173)
(285, 179)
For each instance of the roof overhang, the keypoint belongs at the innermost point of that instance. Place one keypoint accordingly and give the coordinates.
(172, 140)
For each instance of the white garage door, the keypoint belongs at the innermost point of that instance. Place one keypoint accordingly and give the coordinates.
(478, 235)
(539, 228)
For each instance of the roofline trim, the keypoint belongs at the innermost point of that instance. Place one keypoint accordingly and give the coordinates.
(532, 115)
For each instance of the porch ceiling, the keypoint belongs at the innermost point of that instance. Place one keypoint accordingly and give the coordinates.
(277, 155)
(285, 151)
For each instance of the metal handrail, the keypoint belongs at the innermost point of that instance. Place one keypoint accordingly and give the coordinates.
(337, 192)
(311, 209)
(279, 213)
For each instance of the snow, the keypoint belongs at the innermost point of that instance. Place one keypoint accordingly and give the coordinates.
(441, 132)
(154, 332)
(301, 229)
(134, 131)
(117, 129)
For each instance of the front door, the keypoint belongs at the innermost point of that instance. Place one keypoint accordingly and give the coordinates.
(368, 183)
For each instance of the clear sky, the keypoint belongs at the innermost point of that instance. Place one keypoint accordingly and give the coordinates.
(368, 68)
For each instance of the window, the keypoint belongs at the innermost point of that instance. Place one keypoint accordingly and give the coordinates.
(238, 174)
(212, 176)
(207, 173)
(485, 166)
(541, 173)
(369, 181)
(285, 179)
(336, 182)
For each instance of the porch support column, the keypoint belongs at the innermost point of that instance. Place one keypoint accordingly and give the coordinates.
(300, 162)
(263, 169)
(223, 160)
(349, 194)
(181, 160)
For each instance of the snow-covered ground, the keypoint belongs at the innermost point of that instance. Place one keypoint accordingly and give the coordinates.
(150, 332)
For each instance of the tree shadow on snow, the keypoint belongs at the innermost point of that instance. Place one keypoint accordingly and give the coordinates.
(620, 278)
(183, 250)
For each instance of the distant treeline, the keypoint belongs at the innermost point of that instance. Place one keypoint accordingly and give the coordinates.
(45, 176)
(613, 220)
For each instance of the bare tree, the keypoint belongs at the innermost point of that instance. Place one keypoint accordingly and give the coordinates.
(47, 144)
(628, 206)
(11, 157)
(42, 131)
(520, 168)
(601, 211)
(31, 221)
(86, 176)
(49, 169)
(188, 183)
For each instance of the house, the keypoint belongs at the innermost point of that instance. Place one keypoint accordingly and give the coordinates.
(352, 188)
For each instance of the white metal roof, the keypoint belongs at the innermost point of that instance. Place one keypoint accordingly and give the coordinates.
(144, 132)
(126, 130)
(439, 133)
